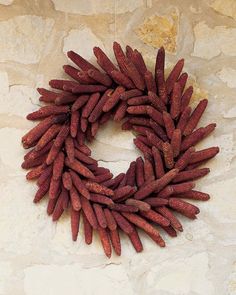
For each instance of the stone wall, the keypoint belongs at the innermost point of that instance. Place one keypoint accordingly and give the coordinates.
(38, 257)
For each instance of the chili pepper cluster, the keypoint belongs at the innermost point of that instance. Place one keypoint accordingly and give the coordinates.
(156, 185)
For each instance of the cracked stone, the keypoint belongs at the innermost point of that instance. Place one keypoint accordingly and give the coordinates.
(228, 76)
(20, 101)
(90, 7)
(11, 151)
(19, 38)
(160, 31)
(116, 167)
(83, 36)
(61, 278)
(177, 278)
(27, 223)
(210, 42)
(226, 7)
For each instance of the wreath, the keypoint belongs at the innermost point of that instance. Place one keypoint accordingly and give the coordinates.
(156, 185)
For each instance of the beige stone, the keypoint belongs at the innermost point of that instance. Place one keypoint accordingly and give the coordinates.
(82, 41)
(228, 76)
(188, 275)
(198, 91)
(61, 278)
(231, 113)
(195, 9)
(113, 135)
(21, 222)
(5, 275)
(11, 157)
(102, 151)
(226, 7)
(116, 167)
(20, 101)
(210, 42)
(24, 38)
(37, 256)
(90, 7)
(4, 89)
(232, 280)
(120, 142)
(149, 3)
(6, 2)
(222, 195)
(160, 31)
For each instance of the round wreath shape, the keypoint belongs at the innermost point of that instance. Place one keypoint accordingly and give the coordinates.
(156, 185)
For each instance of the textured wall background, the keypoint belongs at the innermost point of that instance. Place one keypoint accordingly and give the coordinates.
(38, 257)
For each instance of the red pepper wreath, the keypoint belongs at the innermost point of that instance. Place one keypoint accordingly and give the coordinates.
(156, 185)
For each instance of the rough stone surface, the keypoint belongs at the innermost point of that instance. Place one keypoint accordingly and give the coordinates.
(24, 38)
(160, 31)
(227, 7)
(210, 42)
(228, 75)
(6, 2)
(90, 7)
(76, 39)
(230, 113)
(172, 279)
(73, 277)
(38, 256)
